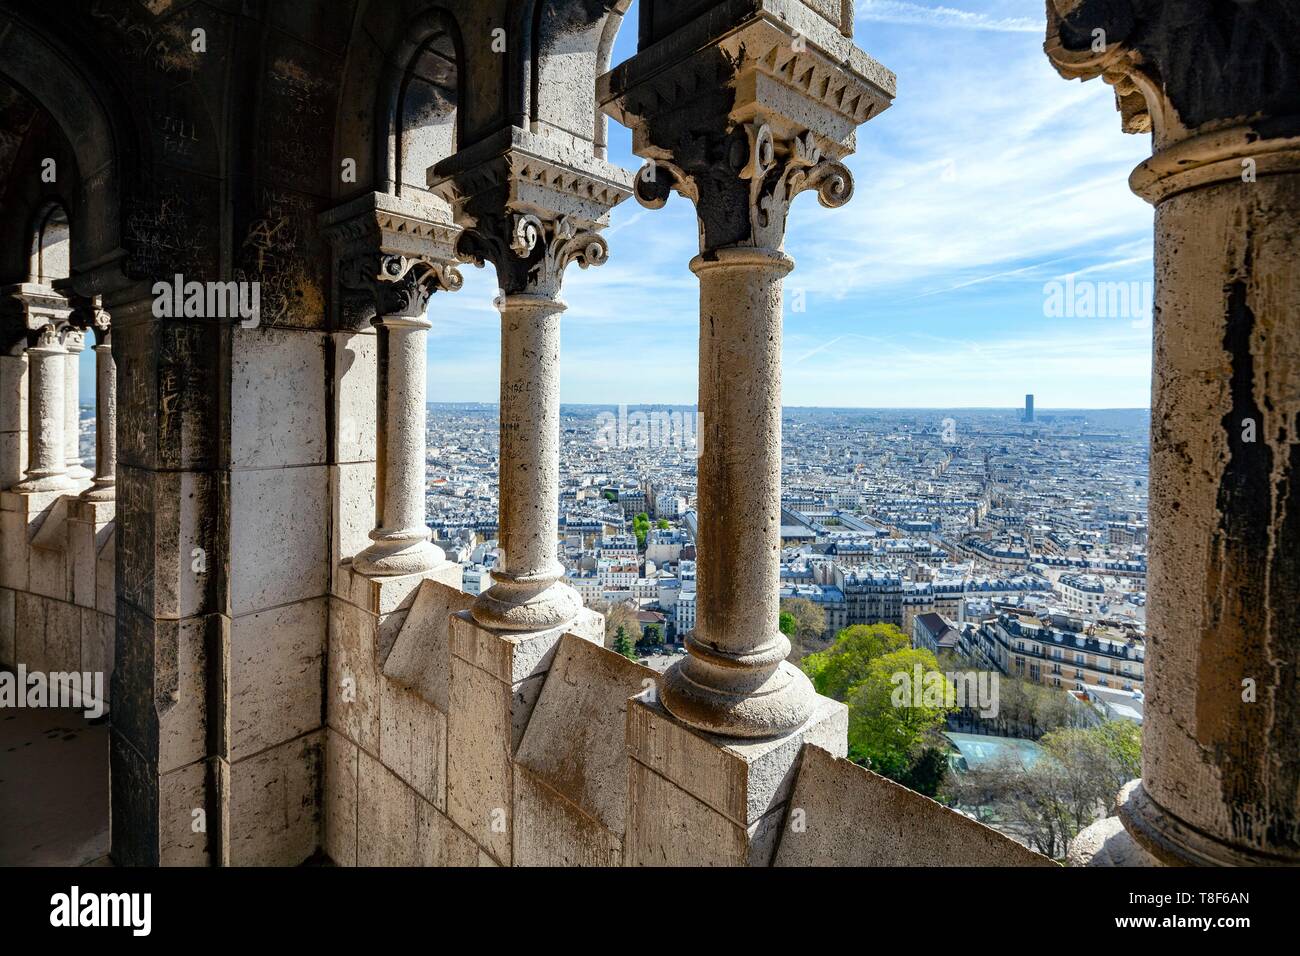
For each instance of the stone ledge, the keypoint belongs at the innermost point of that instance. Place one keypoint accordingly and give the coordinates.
(853, 817)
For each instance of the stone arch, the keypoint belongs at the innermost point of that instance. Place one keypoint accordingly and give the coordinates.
(400, 72)
(50, 243)
(86, 113)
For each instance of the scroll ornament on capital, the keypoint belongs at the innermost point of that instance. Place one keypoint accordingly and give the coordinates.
(776, 171)
(401, 285)
(532, 253)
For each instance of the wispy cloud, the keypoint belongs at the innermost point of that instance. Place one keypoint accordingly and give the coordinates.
(918, 14)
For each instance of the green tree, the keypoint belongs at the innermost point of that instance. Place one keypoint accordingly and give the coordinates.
(890, 714)
(810, 624)
(788, 625)
(928, 772)
(836, 670)
(652, 638)
(662, 524)
(623, 644)
(640, 528)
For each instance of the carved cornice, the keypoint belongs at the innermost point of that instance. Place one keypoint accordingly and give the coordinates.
(743, 124)
(393, 253)
(529, 207)
(1181, 67)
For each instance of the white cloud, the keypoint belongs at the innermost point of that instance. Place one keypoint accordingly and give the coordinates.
(917, 14)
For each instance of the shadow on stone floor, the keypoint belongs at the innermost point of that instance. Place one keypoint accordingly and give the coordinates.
(53, 788)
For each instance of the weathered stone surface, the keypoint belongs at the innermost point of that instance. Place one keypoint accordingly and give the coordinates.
(413, 741)
(276, 662)
(8, 634)
(853, 817)
(341, 798)
(421, 655)
(572, 745)
(352, 682)
(274, 804)
(278, 544)
(399, 828)
(550, 830)
(277, 399)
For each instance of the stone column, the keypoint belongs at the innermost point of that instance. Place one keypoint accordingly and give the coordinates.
(105, 417)
(531, 209)
(401, 538)
(527, 593)
(740, 137)
(1221, 737)
(47, 468)
(74, 341)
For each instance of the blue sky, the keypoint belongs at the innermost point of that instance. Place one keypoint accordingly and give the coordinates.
(988, 177)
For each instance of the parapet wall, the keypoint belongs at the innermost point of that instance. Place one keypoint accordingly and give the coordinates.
(57, 598)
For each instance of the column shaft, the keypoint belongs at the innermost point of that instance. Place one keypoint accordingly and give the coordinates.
(1221, 738)
(46, 408)
(401, 537)
(75, 345)
(105, 426)
(527, 594)
(736, 680)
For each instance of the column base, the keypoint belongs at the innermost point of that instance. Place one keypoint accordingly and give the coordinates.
(393, 557)
(101, 490)
(712, 800)
(40, 485)
(515, 604)
(764, 705)
(1175, 843)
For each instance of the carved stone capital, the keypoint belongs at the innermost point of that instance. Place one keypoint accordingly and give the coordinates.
(529, 209)
(530, 253)
(88, 314)
(741, 120)
(1185, 67)
(391, 256)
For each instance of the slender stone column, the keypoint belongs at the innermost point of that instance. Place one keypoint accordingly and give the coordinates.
(105, 479)
(736, 680)
(742, 129)
(1221, 736)
(401, 537)
(74, 340)
(47, 468)
(527, 593)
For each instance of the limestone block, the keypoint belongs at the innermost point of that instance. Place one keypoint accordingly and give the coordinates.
(276, 662)
(62, 636)
(278, 541)
(48, 572)
(669, 827)
(398, 828)
(853, 817)
(340, 796)
(742, 779)
(413, 741)
(97, 640)
(479, 777)
(274, 804)
(352, 688)
(82, 560)
(277, 398)
(52, 530)
(29, 631)
(354, 390)
(8, 633)
(550, 830)
(105, 570)
(421, 655)
(180, 793)
(13, 550)
(180, 690)
(496, 678)
(573, 742)
(352, 493)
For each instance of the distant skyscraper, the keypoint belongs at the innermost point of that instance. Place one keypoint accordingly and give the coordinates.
(1029, 408)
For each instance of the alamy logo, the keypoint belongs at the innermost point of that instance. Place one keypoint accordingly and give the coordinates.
(1085, 299)
(978, 690)
(208, 300)
(75, 908)
(653, 429)
(84, 690)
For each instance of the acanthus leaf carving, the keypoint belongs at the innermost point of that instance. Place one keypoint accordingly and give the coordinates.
(531, 253)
